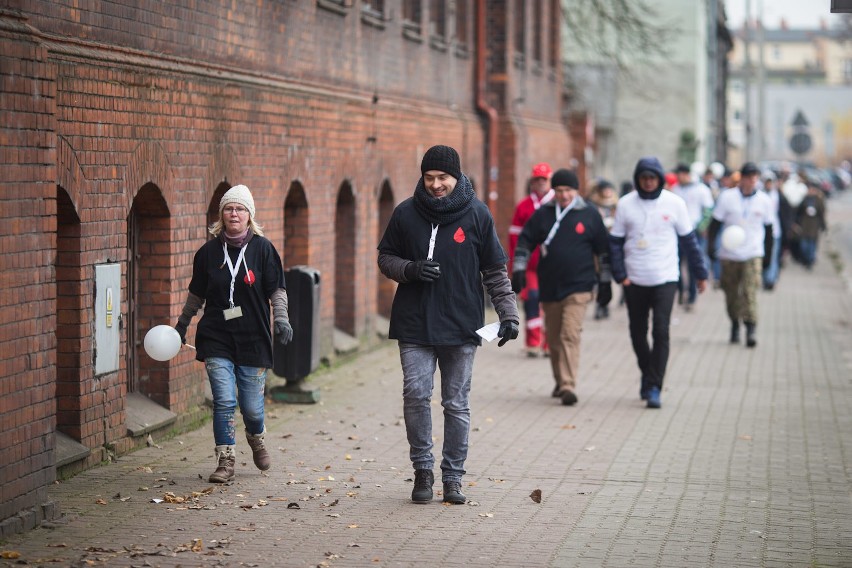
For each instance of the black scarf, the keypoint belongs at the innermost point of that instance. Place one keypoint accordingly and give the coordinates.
(444, 210)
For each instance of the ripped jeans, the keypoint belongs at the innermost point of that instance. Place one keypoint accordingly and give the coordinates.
(232, 384)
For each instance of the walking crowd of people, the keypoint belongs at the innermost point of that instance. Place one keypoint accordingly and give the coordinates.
(661, 241)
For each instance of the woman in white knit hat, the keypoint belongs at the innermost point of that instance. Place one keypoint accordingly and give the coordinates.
(236, 277)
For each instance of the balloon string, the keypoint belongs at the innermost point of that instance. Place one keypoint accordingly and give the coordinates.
(190, 346)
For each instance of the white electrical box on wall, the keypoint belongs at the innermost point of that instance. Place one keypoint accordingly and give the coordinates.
(107, 317)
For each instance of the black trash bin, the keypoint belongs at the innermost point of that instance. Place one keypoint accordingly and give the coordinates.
(300, 357)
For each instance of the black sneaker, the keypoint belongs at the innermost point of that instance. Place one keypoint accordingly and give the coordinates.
(453, 494)
(423, 480)
(568, 397)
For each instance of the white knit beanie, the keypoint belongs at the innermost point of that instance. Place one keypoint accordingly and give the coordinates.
(238, 194)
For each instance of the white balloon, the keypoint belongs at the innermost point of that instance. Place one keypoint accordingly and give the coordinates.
(718, 169)
(162, 342)
(698, 169)
(733, 237)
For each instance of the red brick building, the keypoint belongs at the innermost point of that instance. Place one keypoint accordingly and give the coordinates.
(123, 127)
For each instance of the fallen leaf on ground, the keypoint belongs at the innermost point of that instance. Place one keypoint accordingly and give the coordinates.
(536, 495)
(569, 427)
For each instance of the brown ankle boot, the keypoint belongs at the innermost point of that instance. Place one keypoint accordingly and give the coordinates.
(258, 450)
(225, 468)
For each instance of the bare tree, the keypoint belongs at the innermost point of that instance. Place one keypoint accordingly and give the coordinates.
(622, 32)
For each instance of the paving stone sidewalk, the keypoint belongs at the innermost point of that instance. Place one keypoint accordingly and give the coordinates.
(746, 464)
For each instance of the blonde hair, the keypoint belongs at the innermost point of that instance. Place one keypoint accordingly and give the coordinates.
(216, 228)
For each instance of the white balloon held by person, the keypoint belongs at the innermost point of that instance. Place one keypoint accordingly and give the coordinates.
(162, 342)
(733, 237)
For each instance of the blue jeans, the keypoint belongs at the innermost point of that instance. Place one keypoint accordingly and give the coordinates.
(770, 275)
(692, 285)
(418, 372)
(808, 247)
(231, 384)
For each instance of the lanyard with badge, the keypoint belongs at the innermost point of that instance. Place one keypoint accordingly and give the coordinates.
(560, 214)
(432, 239)
(233, 311)
(745, 207)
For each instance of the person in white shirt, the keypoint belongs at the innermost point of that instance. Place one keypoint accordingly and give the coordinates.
(744, 262)
(699, 204)
(650, 225)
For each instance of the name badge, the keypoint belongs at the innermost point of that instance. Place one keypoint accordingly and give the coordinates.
(233, 313)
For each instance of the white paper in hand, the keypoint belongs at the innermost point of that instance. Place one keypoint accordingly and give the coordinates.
(489, 332)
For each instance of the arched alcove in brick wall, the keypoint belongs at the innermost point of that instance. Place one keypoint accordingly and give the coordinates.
(72, 318)
(385, 287)
(213, 206)
(148, 289)
(345, 278)
(295, 251)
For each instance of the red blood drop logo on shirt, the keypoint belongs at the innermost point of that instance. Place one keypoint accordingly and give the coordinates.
(666, 218)
(580, 228)
(459, 236)
(249, 278)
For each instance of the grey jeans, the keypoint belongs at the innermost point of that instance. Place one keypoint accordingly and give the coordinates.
(418, 370)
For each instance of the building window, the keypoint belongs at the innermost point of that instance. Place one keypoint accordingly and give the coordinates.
(538, 31)
(373, 13)
(412, 19)
(462, 18)
(438, 19)
(373, 7)
(555, 20)
(336, 6)
(520, 32)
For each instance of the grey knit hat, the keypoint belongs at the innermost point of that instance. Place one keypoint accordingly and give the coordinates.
(239, 194)
(443, 159)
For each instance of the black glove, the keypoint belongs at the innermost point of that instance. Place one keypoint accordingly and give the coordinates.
(181, 329)
(283, 331)
(519, 280)
(425, 270)
(508, 330)
(604, 293)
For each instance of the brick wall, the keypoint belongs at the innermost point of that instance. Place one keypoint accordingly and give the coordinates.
(142, 115)
(28, 302)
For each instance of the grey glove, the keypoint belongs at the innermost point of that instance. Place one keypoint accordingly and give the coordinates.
(283, 331)
(425, 270)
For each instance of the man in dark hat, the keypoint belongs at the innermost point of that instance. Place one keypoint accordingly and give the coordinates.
(745, 210)
(573, 242)
(442, 248)
(650, 226)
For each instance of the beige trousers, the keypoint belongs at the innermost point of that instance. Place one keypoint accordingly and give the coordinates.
(563, 323)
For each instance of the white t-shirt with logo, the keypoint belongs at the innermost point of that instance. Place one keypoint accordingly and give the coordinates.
(751, 213)
(697, 197)
(650, 228)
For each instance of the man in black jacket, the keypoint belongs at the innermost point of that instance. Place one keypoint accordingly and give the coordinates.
(441, 246)
(574, 258)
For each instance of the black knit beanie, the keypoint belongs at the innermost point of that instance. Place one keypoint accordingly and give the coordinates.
(565, 177)
(443, 159)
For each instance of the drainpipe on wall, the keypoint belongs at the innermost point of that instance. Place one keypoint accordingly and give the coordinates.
(486, 109)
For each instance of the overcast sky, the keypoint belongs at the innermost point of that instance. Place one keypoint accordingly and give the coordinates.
(798, 13)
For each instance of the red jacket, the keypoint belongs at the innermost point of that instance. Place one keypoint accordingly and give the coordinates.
(523, 212)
